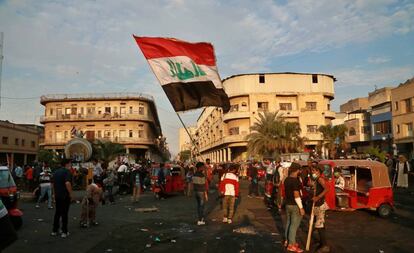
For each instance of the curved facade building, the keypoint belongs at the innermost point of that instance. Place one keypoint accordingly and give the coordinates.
(300, 97)
(130, 119)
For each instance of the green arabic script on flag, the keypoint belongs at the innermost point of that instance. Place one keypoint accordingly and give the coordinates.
(183, 73)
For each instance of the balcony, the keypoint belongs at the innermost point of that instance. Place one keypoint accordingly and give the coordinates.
(289, 114)
(235, 115)
(329, 114)
(94, 117)
(121, 140)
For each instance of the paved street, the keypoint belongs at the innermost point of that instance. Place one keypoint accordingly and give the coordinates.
(122, 229)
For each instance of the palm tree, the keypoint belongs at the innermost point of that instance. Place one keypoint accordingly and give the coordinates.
(107, 151)
(333, 136)
(272, 134)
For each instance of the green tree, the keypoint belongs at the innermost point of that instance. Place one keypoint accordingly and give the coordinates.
(49, 157)
(376, 152)
(271, 135)
(107, 151)
(333, 136)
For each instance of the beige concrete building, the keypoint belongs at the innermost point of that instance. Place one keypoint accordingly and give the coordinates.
(184, 140)
(130, 119)
(300, 97)
(19, 143)
(358, 123)
(403, 117)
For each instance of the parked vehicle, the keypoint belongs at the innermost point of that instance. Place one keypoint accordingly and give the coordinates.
(173, 183)
(367, 186)
(9, 196)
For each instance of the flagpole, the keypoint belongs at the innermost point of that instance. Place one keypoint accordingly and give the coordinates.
(189, 135)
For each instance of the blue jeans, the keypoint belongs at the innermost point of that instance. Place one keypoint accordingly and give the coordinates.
(43, 191)
(293, 219)
(200, 204)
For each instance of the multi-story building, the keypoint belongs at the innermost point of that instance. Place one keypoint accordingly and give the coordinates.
(130, 119)
(403, 117)
(379, 102)
(358, 123)
(300, 97)
(19, 143)
(184, 140)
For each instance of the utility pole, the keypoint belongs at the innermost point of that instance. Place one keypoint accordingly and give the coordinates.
(1, 60)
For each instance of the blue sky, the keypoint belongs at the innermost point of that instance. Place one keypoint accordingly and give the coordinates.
(86, 46)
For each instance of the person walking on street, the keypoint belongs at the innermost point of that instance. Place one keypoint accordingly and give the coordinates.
(63, 195)
(45, 184)
(89, 204)
(109, 182)
(200, 184)
(229, 188)
(320, 207)
(254, 180)
(294, 207)
(18, 174)
(402, 169)
(136, 180)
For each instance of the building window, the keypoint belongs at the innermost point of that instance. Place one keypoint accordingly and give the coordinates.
(99, 134)
(140, 133)
(234, 108)
(311, 106)
(314, 78)
(33, 144)
(383, 127)
(66, 134)
(5, 140)
(234, 130)
(243, 104)
(68, 111)
(90, 110)
(285, 106)
(107, 109)
(312, 128)
(141, 110)
(408, 105)
(396, 105)
(262, 106)
(130, 110)
(410, 129)
(51, 111)
(16, 141)
(352, 131)
(23, 142)
(328, 107)
(131, 134)
(107, 134)
(365, 129)
(261, 78)
(73, 110)
(398, 129)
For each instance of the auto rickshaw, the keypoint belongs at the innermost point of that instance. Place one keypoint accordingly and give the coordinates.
(367, 186)
(9, 196)
(173, 182)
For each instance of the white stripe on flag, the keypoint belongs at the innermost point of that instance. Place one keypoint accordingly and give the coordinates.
(183, 69)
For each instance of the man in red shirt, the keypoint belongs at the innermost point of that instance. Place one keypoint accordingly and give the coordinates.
(229, 188)
(29, 178)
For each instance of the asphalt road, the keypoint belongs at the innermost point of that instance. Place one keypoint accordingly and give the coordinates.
(172, 228)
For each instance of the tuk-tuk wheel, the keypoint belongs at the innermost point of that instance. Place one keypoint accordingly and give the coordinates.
(17, 221)
(384, 210)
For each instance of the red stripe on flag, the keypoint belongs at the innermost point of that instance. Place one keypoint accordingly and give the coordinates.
(154, 47)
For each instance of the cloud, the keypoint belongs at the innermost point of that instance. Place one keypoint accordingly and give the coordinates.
(86, 46)
(378, 60)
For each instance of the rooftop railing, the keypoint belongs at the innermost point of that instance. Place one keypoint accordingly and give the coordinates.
(82, 96)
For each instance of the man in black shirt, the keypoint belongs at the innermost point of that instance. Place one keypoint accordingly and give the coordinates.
(254, 180)
(200, 184)
(62, 185)
(294, 207)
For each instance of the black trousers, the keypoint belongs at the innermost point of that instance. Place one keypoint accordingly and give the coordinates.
(7, 233)
(62, 210)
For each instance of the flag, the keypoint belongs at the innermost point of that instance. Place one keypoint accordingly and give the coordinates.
(186, 71)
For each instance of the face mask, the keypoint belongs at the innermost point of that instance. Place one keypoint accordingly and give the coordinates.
(314, 176)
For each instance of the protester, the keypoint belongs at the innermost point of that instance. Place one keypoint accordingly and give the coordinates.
(109, 182)
(136, 180)
(18, 175)
(339, 181)
(29, 178)
(189, 181)
(201, 186)
(320, 206)
(208, 171)
(229, 188)
(402, 168)
(294, 207)
(89, 204)
(254, 180)
(389, 161)
(45, 184)
(7, 233)
(63, 195)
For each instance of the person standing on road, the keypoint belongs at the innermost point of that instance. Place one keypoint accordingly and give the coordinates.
(18, 173)
(7, 233)
(200, 184)
(389, 161)
(29, 178)
(402, 169)
(45, 184)
(294, 207)
(109, 182)
(320, 207)
(89, 204)
(189, 181)
(254, 180)
(136, 180)
(229, 188)
(63, 195)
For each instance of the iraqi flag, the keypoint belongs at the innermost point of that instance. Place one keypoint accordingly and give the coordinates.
(187, 72)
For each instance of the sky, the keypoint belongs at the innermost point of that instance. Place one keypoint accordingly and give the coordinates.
(86, 46)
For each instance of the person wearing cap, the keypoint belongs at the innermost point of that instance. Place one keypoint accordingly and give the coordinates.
(200, 186)
(62, 185)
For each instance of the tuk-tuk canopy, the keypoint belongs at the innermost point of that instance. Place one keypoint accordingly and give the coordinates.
(379, 171)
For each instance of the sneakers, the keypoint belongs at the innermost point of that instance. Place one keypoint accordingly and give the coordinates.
(294, 248)
(229, 221)
(50, 207)
(94, 223)
(225, 220)
(53, 234)
(201, 222)
(64, 235)
(37, 206)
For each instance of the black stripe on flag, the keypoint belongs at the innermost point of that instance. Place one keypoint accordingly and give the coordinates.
(192, 95)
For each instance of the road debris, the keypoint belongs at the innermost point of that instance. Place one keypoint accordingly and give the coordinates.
(148, 245)
(146, 209)
(144, 229)
(249, 230)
